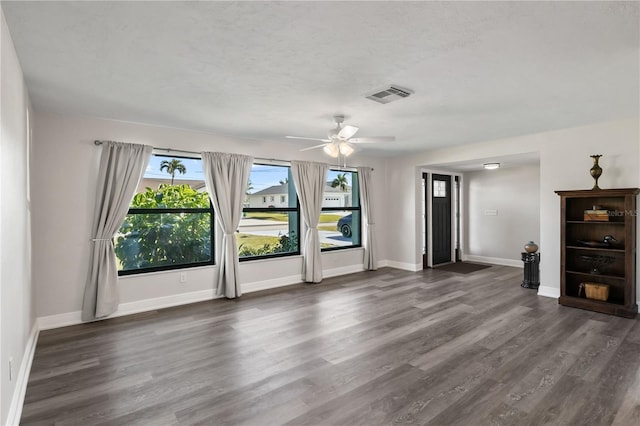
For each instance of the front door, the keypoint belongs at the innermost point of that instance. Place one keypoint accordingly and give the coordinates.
(441, 218)
(425, 222)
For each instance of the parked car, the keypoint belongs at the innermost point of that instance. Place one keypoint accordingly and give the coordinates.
(344, 226)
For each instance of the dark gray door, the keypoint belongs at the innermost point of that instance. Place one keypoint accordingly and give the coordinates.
(425, 199)
(456, 185)
(441, 218)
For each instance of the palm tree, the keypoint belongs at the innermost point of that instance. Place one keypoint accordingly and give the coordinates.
(285, 181)
(340, 182)
(172, 167)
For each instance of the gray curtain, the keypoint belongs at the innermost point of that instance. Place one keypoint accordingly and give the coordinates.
(122, 165)
(368, 236)
(226, 176)
(310, 180)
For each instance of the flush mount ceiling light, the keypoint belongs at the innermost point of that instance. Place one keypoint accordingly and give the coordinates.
(491, 166)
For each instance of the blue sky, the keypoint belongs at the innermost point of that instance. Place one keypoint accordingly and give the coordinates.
(261, 176)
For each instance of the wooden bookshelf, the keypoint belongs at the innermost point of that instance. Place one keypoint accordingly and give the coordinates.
(614, 264)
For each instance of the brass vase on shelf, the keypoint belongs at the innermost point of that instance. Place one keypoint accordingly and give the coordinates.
(596, 170)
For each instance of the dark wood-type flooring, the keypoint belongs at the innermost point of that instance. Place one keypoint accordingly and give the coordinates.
(372, 348)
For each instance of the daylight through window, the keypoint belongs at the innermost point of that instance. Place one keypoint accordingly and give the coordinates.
(339, 225)
(439, 188)
(270, 224)
(170, 220)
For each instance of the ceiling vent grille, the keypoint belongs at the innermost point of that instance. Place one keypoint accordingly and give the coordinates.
(389, 94)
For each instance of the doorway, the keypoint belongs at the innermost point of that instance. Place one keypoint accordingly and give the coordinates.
(425, 221)
(441, 208)
(441, 219)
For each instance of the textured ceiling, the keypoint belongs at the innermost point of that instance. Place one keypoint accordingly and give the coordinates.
(480, 70)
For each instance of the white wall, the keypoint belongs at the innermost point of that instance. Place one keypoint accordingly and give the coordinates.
(65, 168)
(403, 212)
(16, 313)
(564, 164)
(514, 194)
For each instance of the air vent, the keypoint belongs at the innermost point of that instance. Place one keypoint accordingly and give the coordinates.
(389, 94)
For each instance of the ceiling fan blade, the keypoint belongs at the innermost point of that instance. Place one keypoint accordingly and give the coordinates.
(347, 131)
(307, 139)
(373, 139)
(313, 147)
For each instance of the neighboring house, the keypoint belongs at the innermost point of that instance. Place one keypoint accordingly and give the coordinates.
(273, 196)
(278, 196)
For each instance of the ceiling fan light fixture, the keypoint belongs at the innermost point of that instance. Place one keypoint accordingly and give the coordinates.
(491, 166)
(340, 139)
(345, 149)
(331, 150)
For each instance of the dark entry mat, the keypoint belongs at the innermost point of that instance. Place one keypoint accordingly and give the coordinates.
(462, 267)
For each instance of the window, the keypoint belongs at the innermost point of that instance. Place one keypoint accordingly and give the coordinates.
(170, 221)
(273, 230)
(439, 189)
(339, 225)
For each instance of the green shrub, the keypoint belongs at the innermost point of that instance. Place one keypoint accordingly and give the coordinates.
(158, 239)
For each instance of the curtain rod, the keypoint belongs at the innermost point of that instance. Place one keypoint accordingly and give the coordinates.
(98, 142)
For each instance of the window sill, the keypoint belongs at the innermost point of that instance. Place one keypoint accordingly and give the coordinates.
(271, 259)
(167, 271)
(342, 249)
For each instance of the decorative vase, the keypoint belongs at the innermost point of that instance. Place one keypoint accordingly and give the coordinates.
(596, 170)
(531, 247)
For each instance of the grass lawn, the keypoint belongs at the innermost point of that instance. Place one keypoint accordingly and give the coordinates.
(280, 217)
(283, 217)
(327, 228)
(258, 241)
(330, 218)
(255, 241)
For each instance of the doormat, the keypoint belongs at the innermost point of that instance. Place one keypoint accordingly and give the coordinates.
(462, 267)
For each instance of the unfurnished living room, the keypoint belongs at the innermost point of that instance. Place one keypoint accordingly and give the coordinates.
(319, 213)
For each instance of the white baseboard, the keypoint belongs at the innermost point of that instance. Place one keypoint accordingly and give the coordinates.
(345, 270)
(17, 401)
(402, 265)
(493, 260)
(73, 318)
(128, 308)
(163, 302)
(297, 279)
(382, 263)
(59, 320)
(269, 284)
(549, 292)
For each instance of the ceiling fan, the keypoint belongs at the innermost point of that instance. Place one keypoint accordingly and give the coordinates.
(340, 140)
